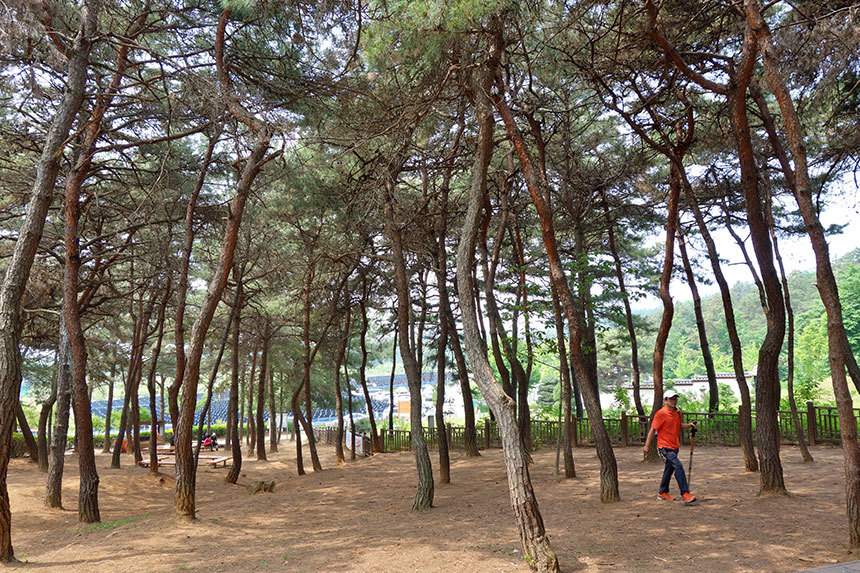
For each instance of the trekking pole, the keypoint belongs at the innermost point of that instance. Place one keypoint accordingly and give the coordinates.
(692, 447)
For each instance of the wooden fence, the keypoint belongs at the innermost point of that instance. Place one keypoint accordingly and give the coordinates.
(328, 435)
(820, 425)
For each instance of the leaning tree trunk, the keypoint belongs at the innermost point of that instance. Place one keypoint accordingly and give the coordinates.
(789, 315)
(135, 364)
(501, 344)
(493, 315)
(134, 443)
(470, 432)
(713, 390)
(539, 192)
(206, 412)
(665, 297)
(523, 411)
(182, 286)
(24, 252)
(745, 418)
(307, 362)
(29, 440)
(150, 380)
(184, 494)
(186, 471)
(536, 545)
(42, 435)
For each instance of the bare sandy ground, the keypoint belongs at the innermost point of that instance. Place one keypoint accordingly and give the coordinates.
(357, 517)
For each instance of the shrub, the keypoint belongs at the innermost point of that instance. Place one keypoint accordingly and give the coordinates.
(19, 448)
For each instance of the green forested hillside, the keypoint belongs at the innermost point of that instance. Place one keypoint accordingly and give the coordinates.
(683, 353)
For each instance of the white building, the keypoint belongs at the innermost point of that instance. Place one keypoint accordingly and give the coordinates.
(697, 385)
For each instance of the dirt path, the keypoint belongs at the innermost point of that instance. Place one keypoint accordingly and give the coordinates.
(357, 518)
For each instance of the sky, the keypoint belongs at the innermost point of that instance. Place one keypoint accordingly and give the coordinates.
(796, 252)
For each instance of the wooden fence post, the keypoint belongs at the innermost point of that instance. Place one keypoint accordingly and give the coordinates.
(486, 433)
(624, 434)
(811, 422)
(450, 433)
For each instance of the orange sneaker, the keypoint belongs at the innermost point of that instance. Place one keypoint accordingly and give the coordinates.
(688, 497)
(665, 496)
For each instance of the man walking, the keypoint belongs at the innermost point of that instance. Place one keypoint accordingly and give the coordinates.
(667, 424)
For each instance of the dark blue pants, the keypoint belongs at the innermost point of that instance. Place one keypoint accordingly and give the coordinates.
(673, 466)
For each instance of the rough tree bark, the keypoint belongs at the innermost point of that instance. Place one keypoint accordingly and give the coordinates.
(539, 191)
(338, 397)
(745, 412)
(535, 543)
(182, 286)
(233, 408)
(184, 493)
(424, 495)
(24, 252)
(767, 383)
(838, 345)
(564, 374)
(789, 316)
(362, 372)
(261, 391)
(56, 462)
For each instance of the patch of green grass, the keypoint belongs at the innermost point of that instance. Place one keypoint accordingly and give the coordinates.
(103, 525)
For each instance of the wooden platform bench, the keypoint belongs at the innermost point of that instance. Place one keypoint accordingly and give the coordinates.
(215, 462)
(162, 461)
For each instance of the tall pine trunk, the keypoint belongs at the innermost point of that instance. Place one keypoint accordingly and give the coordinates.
(625, 299)
(424, 495)
(564, 376)
(535, 543)
(24, 252)
(57, 459)
(767, 383)
(713, 391)
(539, 192)
(838, 346)
(362, 374)
(233, 410)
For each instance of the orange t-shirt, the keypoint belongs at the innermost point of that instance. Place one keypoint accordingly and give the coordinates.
(667, 424)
